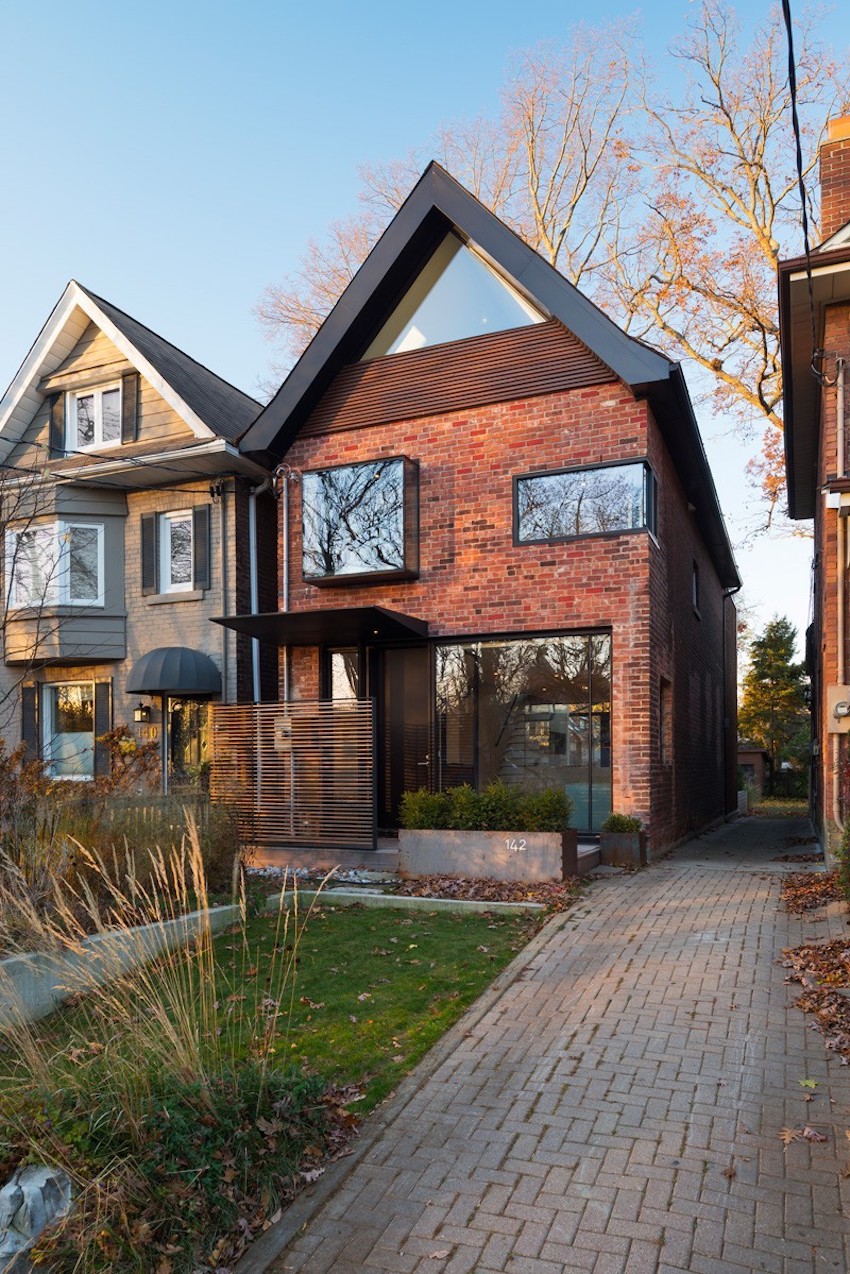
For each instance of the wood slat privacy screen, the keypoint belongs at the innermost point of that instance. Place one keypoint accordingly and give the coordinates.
(297, 773)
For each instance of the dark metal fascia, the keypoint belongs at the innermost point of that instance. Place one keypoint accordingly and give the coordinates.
(436, 205)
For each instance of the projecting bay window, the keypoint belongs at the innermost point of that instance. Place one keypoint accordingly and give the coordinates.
(57, 563)
(360, 522)
(578, 502)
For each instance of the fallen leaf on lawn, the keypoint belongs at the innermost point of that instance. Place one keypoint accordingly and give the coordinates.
(807, 1083)
(789, 1134)
(311, 1004)
(364, 995)
(812, 1134)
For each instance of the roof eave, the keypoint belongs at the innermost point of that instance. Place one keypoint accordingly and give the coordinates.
(801, 391)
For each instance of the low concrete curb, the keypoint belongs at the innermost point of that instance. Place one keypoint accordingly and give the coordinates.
(269, 1246)
(373, 898)
(33, 985)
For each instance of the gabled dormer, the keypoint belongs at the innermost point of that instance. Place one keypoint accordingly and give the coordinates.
(103, 398)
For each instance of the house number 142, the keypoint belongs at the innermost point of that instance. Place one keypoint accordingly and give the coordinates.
(514, 844)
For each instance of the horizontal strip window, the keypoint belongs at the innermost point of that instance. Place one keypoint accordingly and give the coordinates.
(577, 502)
(361, 521)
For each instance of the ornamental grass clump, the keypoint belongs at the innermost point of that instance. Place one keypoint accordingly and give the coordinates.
(159, 1093)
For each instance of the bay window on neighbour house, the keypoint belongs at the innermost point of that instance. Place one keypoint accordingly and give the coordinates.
(58, 563)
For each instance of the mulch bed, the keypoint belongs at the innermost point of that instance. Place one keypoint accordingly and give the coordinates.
(820, 968)
(555, 896)
(806, 891)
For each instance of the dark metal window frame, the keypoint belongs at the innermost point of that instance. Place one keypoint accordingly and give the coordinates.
(650, 500)
(409, 570)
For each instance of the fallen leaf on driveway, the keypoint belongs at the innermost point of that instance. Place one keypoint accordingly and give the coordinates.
(789, 1134)
(812, 1134)
(441, 1254)
(807, 1083)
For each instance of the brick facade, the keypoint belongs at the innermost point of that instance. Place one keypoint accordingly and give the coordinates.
(835, 177)
(474, 581)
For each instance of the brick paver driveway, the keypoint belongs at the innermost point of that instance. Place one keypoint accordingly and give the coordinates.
(614, 1104)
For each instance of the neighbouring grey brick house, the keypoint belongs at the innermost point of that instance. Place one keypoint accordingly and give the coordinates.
(129, 516)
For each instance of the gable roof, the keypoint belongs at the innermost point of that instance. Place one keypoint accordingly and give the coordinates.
(210, 406)
(435, 206)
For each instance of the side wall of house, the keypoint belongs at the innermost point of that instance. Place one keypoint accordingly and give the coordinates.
(692, 662)
(833, 751)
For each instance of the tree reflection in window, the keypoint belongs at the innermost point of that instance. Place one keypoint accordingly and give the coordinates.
(532, 712)
(557, 506)
(354, 519)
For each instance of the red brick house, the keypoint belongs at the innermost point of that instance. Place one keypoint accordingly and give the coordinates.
(815, 333)
(500, 526)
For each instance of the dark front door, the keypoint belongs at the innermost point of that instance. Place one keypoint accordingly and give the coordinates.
(404, 727)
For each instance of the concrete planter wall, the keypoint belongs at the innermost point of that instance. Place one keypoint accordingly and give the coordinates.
(623, 849)
(509, 855)
(31, 986)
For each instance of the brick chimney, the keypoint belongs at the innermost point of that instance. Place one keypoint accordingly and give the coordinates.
(835, 177)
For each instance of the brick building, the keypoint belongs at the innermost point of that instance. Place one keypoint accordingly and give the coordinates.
(501, 527)
(128, 515)
(816, 452)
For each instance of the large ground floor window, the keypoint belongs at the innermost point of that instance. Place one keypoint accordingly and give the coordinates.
(534, 712)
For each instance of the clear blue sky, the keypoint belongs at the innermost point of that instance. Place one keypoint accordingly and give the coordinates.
(175, 158)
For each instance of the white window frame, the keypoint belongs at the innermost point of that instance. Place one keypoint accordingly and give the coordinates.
(56, 537)
(47, 691)
(96, 391)
(165, 522)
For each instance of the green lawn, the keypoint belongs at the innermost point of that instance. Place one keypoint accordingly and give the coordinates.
(374, 989)
(190, 1099)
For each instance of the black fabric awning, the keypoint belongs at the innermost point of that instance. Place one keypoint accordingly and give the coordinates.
(343, 626)
(174, 670)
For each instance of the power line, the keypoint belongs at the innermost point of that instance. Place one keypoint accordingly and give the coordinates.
(817, 354)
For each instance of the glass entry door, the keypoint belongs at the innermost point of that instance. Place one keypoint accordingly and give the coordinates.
(403, 681)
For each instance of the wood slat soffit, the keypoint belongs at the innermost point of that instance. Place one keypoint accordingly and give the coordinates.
(519, 363)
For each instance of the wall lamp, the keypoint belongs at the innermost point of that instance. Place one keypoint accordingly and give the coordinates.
(142, 713)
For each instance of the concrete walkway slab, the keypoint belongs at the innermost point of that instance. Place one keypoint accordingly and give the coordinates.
(613, 1104)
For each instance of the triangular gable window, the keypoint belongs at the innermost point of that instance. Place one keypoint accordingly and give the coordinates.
(457, 295)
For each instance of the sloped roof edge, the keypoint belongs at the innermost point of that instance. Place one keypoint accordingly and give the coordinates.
(153, 357)
(437, 204)
(800, 390)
